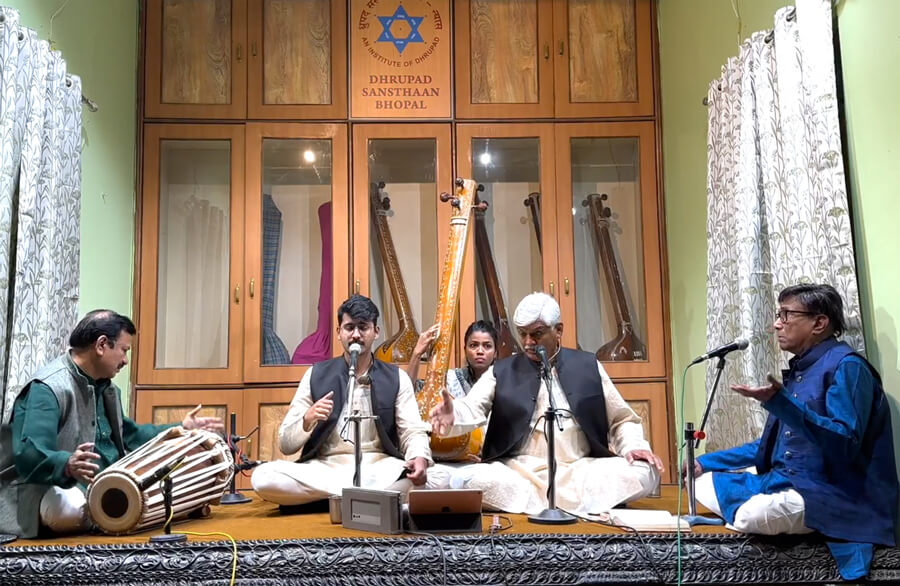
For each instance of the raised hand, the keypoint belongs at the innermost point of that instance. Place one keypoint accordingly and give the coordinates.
(318, 411)
(81, 465)
(442, 415)
(761, 394)
(192, 421)
(426, 339)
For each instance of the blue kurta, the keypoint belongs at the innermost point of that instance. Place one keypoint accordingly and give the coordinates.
(833, 422)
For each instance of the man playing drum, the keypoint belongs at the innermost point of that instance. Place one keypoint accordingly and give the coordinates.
(67, 426)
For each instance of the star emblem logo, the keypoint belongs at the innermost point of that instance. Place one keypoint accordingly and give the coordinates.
(400, 15)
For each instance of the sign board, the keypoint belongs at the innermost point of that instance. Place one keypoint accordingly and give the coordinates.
(400, 59)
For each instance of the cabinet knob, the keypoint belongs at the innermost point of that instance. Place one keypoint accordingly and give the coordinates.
(552, 289)
(252, 283)
(238, 52)
(253, 50)
(237, 293)
(356, 287)
(565, 286)
(546, 51)
(562, 47)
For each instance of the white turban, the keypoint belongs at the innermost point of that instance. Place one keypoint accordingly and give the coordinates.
(537, 307)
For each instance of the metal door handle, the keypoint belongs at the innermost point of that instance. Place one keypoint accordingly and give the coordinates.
(252, 283)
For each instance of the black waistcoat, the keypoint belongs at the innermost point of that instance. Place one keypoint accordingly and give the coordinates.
(332, 375)
(518, 381)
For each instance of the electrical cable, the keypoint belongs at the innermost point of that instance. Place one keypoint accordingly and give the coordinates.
(234, 554)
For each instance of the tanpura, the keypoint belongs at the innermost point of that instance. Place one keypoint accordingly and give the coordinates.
(399, 347)
(467, 446)
(506, 342)
(626, 345)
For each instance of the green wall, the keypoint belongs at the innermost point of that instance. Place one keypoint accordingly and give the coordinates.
(696, 38)
(98, 39)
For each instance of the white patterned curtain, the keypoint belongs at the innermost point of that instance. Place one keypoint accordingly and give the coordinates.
(777, 201)
(40, 204)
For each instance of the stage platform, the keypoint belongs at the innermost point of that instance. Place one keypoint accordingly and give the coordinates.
(273, 548)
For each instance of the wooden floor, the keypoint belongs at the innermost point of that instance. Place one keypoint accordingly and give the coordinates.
(258, 520)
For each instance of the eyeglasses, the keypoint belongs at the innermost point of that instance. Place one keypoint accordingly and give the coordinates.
(784, 314)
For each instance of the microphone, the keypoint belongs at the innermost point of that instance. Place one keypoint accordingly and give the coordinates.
(354, 349)
(159, 474)
(542, 353)
(721, 351)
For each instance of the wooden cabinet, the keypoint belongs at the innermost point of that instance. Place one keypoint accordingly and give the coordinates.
(253, 229)
(512, 252)
(609, 251)
(298, 59)
(549, 188)
(235, 266)
(650, 402)
(554, 58)
(400, 227)
(225, 59)
(192, 229)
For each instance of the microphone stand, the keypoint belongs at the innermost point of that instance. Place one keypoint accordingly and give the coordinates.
(692, 438)
(551, 515)
(233, 496)
(356, 419)
(168, 536)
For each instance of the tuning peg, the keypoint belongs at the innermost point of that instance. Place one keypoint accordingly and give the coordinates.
(459, 182)
(480, 187)
(445, 197)
(481, 205)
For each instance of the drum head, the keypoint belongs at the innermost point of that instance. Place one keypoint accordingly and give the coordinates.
(115, 503)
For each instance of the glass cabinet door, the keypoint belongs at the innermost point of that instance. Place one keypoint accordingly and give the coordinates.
(296, 246)
(603, 51)
(196, 65)
(512, 252)
(609, 260)
(190, 322)
(400, 229)
(297, 59)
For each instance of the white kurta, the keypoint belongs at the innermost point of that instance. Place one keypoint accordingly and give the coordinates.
(292, 483)
(584, 485)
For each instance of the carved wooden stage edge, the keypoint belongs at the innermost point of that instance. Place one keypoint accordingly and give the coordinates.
(476, 560)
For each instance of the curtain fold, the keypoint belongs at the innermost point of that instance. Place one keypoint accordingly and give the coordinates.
(40, 176)
(777, 211)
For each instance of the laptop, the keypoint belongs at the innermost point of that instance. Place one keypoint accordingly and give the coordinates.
(445, 511)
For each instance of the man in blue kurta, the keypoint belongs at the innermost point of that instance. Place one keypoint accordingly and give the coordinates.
(67, 426)
(825, 461)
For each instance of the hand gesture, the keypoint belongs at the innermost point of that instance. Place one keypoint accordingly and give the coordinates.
(761, 394)
(426, 339)
(646, 456)
(318, 411)
(416, 471)
(192, 421)
(81, 465)
(442, 415)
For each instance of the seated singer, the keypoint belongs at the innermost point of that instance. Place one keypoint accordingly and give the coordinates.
(603, 459)
(825, 461)
(67, 426)
(393, 445)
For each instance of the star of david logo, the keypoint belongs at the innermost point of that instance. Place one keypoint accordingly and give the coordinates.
(400, 15)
